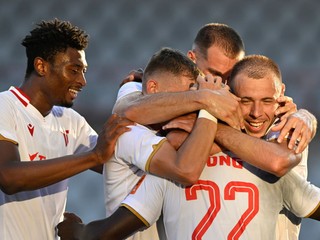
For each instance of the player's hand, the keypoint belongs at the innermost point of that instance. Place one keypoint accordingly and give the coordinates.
(211, 82)
(286, 107)
(225, 106)
(134, 76)
(70, 228)
(185, 122)
(222, 103)
(112, 129)
(299, 131)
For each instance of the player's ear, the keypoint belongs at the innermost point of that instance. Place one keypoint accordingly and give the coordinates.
(191, 54)
(283, 89)
(152, 86)
(40, 66)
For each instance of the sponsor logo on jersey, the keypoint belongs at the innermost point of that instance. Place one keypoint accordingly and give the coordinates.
(224, 160)
(30, 128)
(33, 156)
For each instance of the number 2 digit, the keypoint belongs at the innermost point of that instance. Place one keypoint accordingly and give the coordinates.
(229, 194)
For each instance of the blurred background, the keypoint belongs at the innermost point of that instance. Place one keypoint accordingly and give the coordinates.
(124, 34)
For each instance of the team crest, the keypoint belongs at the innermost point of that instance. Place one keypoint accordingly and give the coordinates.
(65, 136)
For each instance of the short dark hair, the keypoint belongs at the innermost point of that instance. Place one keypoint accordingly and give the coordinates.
(223, 36)
(172, 61)
(51, 37)
(256, 67)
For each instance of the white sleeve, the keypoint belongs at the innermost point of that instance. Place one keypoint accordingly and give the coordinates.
(300, 197)
(146, 199)
(128, 88)
(8, 125)
(138, 146)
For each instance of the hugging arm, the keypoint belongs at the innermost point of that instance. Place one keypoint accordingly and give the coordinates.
(17, 175)
(185, 164)
(300, 124)
(272, 157)
(162, 106)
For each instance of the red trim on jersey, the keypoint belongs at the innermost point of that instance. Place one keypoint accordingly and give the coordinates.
(135, 188)
(23, 98)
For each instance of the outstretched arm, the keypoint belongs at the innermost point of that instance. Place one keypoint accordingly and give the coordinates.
(119, 225)
(17, 175)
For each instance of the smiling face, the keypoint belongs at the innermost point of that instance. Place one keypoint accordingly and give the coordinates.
(258, 101)
(65, 77)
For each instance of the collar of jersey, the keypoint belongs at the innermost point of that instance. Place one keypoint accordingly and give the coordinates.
(20, 95)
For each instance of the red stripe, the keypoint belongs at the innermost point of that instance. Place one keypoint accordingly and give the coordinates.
(21, 99)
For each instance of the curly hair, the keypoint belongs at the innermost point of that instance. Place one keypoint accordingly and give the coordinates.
(50, 38)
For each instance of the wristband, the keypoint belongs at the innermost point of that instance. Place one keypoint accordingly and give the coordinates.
(204, 114)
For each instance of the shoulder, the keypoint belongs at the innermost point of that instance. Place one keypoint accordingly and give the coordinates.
(65, 112)
(69, 115)
(128, 88)
(139, 131)
(140, 137)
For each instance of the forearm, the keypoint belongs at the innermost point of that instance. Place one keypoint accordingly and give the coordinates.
(186, 164)
(120, 225)
(18, 176)
(194, 152)
(161, 107)
(271, 157)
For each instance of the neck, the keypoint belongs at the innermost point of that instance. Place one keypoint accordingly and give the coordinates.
(37, 98)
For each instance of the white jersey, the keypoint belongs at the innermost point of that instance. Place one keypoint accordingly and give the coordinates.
(128, 88)
(288, 225)
(35, 214)
(129, 162)
(232, 200)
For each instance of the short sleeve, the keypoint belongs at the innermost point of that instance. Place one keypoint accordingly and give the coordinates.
(128, 88)
(138, 146)
(146, 199)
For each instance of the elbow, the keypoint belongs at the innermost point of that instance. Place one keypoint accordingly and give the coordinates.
(280, 170)
(126, 112)
(130, 113)
(284, 164)
(7, 189)
(188, 179)
(7, 185)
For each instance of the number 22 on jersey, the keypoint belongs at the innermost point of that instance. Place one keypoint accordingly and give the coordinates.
(230, 191)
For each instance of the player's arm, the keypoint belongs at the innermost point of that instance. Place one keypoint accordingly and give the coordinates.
(272, 157)
(119, 225)
(160, 107)
(17, 175)
(185, 164)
